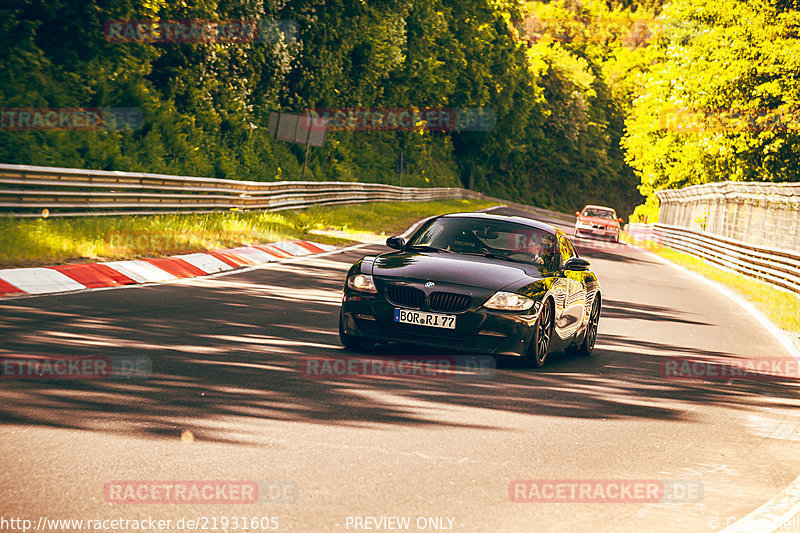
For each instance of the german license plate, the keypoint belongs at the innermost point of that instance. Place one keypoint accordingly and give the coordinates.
(421, 318)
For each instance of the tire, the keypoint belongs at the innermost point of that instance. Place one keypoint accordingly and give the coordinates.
(352, 342)
(586, 347)
(540, 341)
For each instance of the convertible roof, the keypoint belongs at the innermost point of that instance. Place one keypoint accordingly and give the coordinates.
(504, 218)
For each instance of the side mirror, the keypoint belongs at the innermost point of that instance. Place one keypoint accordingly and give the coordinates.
(395, 242)
(577, 213)
(576, 264)
(621, 221)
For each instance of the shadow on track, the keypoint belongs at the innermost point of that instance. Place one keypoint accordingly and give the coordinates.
(232, 347)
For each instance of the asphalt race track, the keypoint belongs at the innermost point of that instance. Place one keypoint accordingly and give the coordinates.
(226, 355)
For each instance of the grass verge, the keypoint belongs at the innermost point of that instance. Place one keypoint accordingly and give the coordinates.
(53, 241)
(782, 308)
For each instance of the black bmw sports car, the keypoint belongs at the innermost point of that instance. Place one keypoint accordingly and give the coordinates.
(476, 282)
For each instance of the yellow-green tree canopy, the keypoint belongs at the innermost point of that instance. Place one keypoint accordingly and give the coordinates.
(721, 98)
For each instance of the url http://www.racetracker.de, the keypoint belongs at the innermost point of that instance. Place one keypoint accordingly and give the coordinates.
(195, 523)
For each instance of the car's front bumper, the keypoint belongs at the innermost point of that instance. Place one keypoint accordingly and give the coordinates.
(477, 330)
(598, 231)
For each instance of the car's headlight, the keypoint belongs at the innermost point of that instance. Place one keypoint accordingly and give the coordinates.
(509, 301)
(362, 283)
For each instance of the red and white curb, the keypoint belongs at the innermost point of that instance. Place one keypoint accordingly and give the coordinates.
(67, 278)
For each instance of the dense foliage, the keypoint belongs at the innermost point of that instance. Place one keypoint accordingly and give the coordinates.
(561, 77)
(721, 98)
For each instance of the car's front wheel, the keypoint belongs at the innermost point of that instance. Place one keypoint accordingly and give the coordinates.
(540, 342)
(352, 342)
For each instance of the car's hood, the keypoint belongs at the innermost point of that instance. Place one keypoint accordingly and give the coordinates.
(599, 221)
(475, 271)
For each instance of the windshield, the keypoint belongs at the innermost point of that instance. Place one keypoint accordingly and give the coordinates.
(496, 239)
(599, 213)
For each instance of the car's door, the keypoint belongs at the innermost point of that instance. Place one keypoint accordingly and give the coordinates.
(572, 285)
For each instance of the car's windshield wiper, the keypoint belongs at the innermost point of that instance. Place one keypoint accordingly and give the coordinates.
(492, 255)
(425, 248)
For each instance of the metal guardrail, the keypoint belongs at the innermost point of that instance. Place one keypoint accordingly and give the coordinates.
(778, 267)
(760, 213)
(25, 191)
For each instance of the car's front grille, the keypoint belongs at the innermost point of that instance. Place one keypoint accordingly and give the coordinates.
(406, 296)
(449, 302)
(443, 302)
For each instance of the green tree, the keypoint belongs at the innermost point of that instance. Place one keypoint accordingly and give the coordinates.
(721, 99)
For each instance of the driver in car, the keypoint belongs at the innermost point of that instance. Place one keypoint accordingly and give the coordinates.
(540, 246)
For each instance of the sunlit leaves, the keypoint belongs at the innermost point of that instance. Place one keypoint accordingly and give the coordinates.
(721, 99)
